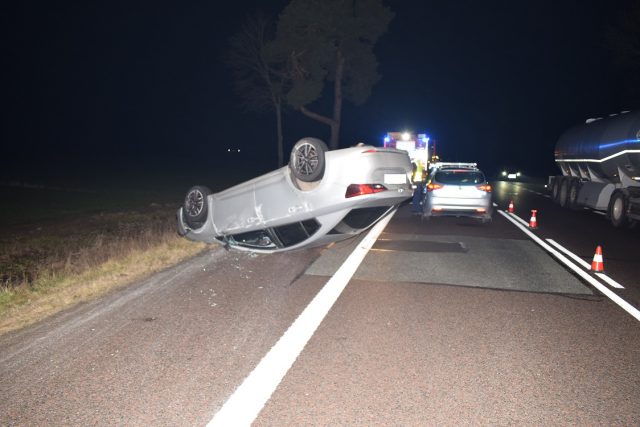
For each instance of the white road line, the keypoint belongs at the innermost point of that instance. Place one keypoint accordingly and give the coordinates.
(599, 286)
(520, 220)
(610, 281)
(575, 257)
(495, 205)
(586, 265)
(246, 402)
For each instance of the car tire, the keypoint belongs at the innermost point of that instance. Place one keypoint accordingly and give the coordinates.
(485, 219)
(307, 161)
(195, 207)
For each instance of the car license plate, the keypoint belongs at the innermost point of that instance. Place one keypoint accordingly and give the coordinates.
(395, 178)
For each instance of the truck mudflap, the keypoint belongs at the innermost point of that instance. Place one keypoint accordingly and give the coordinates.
(634, 203)
(624, 207)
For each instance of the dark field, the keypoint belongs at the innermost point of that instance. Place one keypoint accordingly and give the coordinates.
(49, 232)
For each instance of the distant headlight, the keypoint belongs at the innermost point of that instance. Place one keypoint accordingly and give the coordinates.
(504, 173)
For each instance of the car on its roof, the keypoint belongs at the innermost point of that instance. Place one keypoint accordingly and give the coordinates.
(457, 191)
(320, 197)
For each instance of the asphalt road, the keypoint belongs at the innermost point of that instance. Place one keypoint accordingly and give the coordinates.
(445, 322)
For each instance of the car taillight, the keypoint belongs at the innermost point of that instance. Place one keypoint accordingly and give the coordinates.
(360, 189)
(485, 187)
(371, 150)
(431, 186)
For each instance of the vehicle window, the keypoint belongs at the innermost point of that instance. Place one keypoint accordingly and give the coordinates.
(311, 225)
(459, 177)
(363, 217)
(292, 234)
(253, 239)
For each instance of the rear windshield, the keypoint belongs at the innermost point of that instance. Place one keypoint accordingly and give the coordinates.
(459, 177)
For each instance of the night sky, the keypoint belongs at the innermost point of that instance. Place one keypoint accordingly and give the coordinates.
(99, 91)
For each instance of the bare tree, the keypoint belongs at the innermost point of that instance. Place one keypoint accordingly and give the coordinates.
(330, 42)
(259, 80)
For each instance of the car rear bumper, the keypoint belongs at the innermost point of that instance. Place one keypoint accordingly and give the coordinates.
(458, 212)
(478, 208)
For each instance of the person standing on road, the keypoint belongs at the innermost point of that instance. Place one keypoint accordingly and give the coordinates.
(418, 182)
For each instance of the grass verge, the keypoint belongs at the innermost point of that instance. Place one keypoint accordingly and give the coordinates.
(49, 267)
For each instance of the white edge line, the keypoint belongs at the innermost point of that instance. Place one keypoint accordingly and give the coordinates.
(517, 218)
(610, 281)
(586, 265)
(495, 205)
(575, 257)
(599, 286)
(246, 402)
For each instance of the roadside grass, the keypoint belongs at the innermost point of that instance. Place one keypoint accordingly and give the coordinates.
(51, 264)
(53, 292)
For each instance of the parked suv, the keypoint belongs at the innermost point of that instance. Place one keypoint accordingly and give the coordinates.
(457, 190)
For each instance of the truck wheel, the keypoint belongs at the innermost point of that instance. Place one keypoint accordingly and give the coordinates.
(307, 160)
(555, 189)
(618, 209)
(574, 189)
(563, 195)
(195, 206)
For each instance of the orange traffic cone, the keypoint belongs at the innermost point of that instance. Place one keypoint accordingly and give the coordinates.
(533, 222)
(597, 264)
(510, 210)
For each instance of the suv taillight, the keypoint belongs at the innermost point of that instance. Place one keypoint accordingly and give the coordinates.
(360, 189)
(485, 187)
(432, 186)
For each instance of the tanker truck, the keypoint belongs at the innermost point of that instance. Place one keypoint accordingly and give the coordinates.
(600, 165)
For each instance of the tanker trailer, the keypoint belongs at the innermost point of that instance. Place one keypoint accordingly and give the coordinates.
(600, 164)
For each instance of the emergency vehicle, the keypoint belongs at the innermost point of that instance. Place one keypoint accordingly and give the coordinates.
(418, 146)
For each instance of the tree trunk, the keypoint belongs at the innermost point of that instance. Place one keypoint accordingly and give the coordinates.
(315, 116)
(332, 122)
(337, 101)
(278, 107)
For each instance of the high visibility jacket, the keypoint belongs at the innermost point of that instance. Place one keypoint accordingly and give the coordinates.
(418, 173)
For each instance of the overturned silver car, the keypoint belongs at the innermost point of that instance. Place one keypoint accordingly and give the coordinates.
(320, 197)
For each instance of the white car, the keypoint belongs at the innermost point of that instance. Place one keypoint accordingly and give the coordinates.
(458, 191)
(320, 197)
